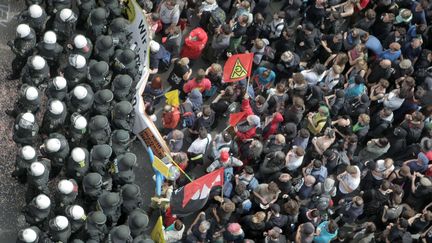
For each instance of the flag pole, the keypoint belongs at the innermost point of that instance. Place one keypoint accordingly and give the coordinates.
(178, 167)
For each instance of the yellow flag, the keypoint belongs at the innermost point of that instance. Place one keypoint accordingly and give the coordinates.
(157, 233)
(172, 98)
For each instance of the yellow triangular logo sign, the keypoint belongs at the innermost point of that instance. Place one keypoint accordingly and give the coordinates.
(238, 71)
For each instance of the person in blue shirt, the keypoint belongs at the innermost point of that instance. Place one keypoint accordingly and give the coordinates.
(418, 12)
(264, 77)
(372, 43)
(326, 232)
(393, 53)
(355, 88)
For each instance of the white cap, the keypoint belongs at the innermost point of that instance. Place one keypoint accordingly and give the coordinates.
(61, 222)
(23, 30)
(35, 11)
(80, 41)
(76, 211)
(50, 37)
(80, 92)
(31, 93)
(42, 201)
(28, 117)
(80, 122)
(78, 154)
(56, 107)
(38, 62)
(28, 152)
(65, 14)
(77, 61)
(53, 145)
(65, 186)
(37, 168)
(29, 235)
(59, 82)
(154, 46)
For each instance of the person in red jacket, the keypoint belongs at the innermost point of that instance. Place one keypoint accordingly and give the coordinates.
(247, 128)
(194, 44)
(200, 82)
(273, 126)
(170, 117)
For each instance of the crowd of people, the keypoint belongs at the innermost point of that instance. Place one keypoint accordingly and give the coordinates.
(333, 145)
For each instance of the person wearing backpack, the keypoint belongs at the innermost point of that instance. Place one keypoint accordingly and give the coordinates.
(276, 26)
(160, 58)
(198, 148)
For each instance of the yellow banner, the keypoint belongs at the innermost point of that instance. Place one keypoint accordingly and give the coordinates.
(157, 233)
(161, 167)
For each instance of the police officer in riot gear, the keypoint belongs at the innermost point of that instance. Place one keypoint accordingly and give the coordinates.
(56, 149)
(120, 234)
(50, 50)
(99, 158)
(132, 199)
(38, 210)
(125, 63)
(122, 115)
(31, 234)
(103, 102)
(36, 71)
(92, 185)
(113, 7)
(24, 158)
(36, 17)
(81, 45)
(55, 6)
(54, 117)
(76, 216)
(95, 228)
(122, 169)
(64, 24)
(78, 130)
(80, 99)
(138, 221)
(110, 204)
(26, 129)
(29, 101)
(66, 194)
(120, 140)
(75, 71)
(99, 130)
(122, 87)
(37, 178)
(57, 88)
(59, 229)
(99, 75)
(22, 46)
(118, 29)
(104, 48)
(78, 164)
(97, 23)
(85, 7)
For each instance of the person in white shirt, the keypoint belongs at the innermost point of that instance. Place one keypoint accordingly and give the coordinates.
(174, 232)
(277, 25)
(198, 148)
(294, 158)
(349, 180)
(384, 167)
(169, 13)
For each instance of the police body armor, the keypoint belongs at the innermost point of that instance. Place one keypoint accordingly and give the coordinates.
(81, 106)
(25, 132)
(35, 215)
(35, 77)
(53, 122)
(25, 105)
(103, 102)
(99, 158)
(99, 130)
(99, 75)
(64, 29)
(122, 116)
(97, 23)
(56, 92)
(77, 169)
(122, 87)
(38, 24)
(118, 29)
(75, 76)
(124, 63)
(104, 48)
(110, 204)
(120, 141)
(58, 158)
(132, 198)
(95, 227)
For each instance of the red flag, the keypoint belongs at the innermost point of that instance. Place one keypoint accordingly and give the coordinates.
(235, 118)
(238, 67)
(194, 196)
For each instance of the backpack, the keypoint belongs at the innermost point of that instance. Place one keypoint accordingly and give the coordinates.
(187, 115)
(269, 54)
(217, 18)
(165, 61)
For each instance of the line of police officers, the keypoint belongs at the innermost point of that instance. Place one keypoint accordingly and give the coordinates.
(83, 64)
